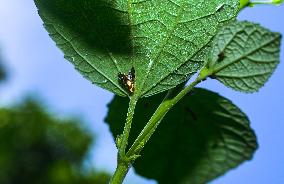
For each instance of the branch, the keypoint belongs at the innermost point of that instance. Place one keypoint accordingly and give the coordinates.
(159, 114)
(248, 3)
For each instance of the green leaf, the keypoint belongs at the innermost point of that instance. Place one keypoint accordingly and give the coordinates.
(158, 38)
(201, 138)
(244, 56)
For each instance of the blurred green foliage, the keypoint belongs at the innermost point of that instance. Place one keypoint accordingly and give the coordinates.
(36, 148)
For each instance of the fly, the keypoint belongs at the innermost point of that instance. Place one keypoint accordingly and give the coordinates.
(127, 80)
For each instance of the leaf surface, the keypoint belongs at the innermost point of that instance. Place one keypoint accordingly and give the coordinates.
(159, 38)
(201, 138)
(244, 56)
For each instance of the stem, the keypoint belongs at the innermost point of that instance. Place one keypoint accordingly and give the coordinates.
(244, 4)
(120, 173)
(161, 111)
(272, 2)
(123, 142)
(248, 3)
(123, 162)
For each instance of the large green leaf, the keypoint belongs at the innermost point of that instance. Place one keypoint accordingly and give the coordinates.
(201, 138)
(244, 56)
(159, 38)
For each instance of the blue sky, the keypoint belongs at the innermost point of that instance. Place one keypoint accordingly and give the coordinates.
(37, 67)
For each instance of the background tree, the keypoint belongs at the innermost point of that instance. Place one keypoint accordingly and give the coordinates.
(40, 149)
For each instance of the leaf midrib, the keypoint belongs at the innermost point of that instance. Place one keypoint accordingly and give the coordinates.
(161, 47)
(129, 13)
(245, 76)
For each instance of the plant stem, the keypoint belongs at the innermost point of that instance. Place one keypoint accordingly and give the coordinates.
(244, 4)
(124, 138)
(159, 114)
(120, 173)
(272, 2)
(248, 3)
(123, 162)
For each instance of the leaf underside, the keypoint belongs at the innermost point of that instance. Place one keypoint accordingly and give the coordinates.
(201, 138)
(244, 56)
(159, 38)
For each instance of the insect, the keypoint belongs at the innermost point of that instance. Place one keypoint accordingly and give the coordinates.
(127, 80)
(221, 57)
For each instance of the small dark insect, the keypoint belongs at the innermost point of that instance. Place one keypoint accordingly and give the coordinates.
(221, 57)
(127, 80)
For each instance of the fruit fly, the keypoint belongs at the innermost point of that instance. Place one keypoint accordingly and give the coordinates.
(127, 80)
